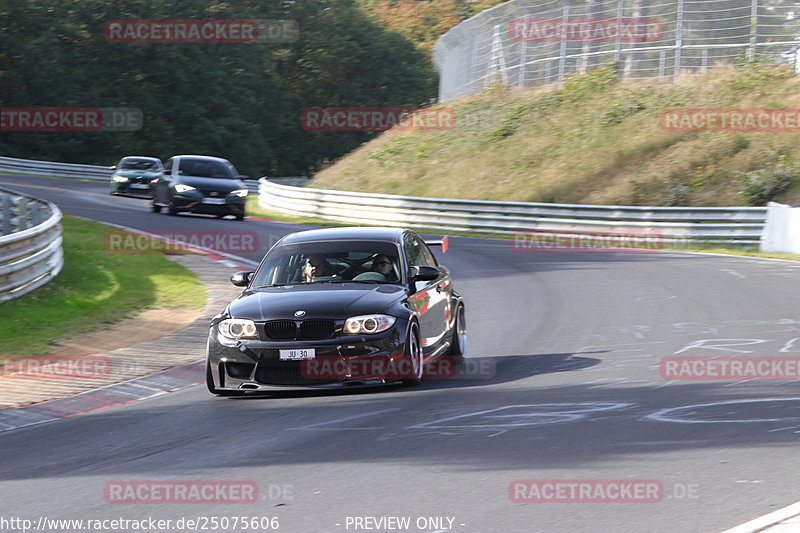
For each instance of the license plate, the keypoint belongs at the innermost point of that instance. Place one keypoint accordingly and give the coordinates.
(297, 355)
(140, 186)
(214, 201)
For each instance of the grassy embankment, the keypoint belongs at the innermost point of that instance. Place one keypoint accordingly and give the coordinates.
(94, 289)
(593, 140)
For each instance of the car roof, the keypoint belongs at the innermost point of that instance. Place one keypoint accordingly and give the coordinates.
(394, 235)
(149, 158)
(206, 157)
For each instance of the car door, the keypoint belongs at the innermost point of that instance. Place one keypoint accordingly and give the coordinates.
(429, 299)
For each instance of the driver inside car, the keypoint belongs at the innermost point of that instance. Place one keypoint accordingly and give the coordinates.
(315, 267)
(383, 265)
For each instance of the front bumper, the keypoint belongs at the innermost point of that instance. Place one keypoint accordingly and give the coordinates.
(132, 187)
(195, 204)
(339, 362)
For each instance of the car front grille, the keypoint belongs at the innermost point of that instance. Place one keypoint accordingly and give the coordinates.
(281, 330)
(314, 329)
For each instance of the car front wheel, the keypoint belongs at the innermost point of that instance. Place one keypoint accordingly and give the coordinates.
(458, 346)
(412, 357)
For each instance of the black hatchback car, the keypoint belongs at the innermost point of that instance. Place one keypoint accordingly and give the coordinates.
(334, 307)
(200, 184)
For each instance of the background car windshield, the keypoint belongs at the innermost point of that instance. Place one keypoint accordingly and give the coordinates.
(203, 168)
(138, 164)
(319, 262)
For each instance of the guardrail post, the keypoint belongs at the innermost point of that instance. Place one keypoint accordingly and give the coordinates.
(35, 214)
(20, 212)
(7, 227)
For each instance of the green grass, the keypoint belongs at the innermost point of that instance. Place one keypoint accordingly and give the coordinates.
(94, 289)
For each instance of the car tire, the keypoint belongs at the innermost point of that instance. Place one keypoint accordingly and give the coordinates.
(155, 207)
(458, 342)
(240, 217)
(172, 210)
(412, 352)
(213, 390)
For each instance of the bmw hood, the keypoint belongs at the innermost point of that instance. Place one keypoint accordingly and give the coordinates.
(318, 301)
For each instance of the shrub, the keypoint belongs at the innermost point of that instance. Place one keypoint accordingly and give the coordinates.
(761, 186)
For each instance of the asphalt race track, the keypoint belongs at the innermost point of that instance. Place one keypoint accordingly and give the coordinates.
(564, 384)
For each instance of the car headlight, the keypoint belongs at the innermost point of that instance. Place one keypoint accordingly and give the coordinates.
(368, 324)
(183, 188)
(241, 193)
(238, 328)
(119, 178)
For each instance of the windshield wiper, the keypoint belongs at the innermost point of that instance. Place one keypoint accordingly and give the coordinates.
(359, 281)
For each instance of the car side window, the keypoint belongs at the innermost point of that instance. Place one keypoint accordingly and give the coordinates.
(417, 253)
(430, 259)
(413, 252)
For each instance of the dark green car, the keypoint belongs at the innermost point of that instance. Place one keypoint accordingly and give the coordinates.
(134, 174)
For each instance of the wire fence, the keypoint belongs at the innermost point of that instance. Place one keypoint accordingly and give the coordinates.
(528, 43)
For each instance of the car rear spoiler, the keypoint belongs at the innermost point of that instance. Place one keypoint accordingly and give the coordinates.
(444, 243)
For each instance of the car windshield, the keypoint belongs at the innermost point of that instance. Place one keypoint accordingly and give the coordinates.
(138, 164)
(205, 168)
(330, 262)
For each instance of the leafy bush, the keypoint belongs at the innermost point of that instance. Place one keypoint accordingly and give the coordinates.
(620, 112)
(580, 86)
(761, 186)
(677, 195)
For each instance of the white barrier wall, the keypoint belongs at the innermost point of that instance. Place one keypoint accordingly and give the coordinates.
(782, 230)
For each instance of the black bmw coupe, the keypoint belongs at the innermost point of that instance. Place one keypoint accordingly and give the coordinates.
(337, 307)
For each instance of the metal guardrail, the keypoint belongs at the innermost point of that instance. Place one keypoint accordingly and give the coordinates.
(30, 247)
(742, 225)
(52, 169)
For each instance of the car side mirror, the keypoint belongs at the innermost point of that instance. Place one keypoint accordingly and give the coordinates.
(112, 167)
(167, 171)
(424, 273)
(242, 279)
